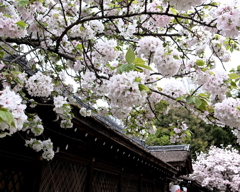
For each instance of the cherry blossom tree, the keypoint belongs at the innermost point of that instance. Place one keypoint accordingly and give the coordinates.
(117, 52)
(218, 168)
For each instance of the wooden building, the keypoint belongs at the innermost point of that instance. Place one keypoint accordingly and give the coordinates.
(192, 185)
(178, 156)
(94, 156)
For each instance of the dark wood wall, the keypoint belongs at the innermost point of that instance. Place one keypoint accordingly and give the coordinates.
(63, 176)
(91, 158)
(87, 165)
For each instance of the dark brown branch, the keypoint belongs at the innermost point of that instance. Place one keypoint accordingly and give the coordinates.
(63, 12)
(158, 34)
(196, 90)
(170, 97)
(153, 110)
(19, 57)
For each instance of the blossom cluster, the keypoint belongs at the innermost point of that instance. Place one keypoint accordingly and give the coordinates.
(85, 112)
(39, 85)
(126, 30)
(11, 102)
(9, 22)
(219, 167)
(213, 81)
(46, 146)
(186, 5)
(228, 19)
(156, 20)
(105, 51)
(167, 61)
(147, 46)
(199, 39)
(124, 91)
(219, 50)
(35, 125)
(88, 41)
(228, 112)
(174, 89)
(179, 132)
(63, 109)
(87, 31)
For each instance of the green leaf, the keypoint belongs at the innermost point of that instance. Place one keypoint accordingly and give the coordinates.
(137, 79)
(200, 62)
(2, 54)
(130, 56)
(79, 47)
(5, 73)
(125, 68)
(3, 134)
(233, 84)
(214, 3)
(139, 61)
(143, 87)
(23, 2)
(7, 16)
(4, 109)
(203, 95)
(174, 11)
(175, 57)
(138, 69)
(1, 5)
(21, 24)
(82, 28)
(189, 99)
(204, 69)
(144, 66)
(204, 104)
(172, 133)
(15, 72)
(188, 133)
(167, 53)
(6, 116)
(197, 101)
(234, 76)
(180, 98)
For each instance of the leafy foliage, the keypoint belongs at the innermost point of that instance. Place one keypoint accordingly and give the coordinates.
(203, 135)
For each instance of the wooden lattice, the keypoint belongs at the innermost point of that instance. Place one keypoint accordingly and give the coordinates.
(105, 182)
(61, 176)
(130, 185)
(146, 187)
(159, 188)
(11, 181)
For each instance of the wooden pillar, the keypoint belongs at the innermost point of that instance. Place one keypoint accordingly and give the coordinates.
(140, 183)
(154, 185)
(120, 181)
(166, 186)
(90, 176)
(38, 172)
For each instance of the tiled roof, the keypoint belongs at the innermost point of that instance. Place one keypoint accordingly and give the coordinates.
(170, 148)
